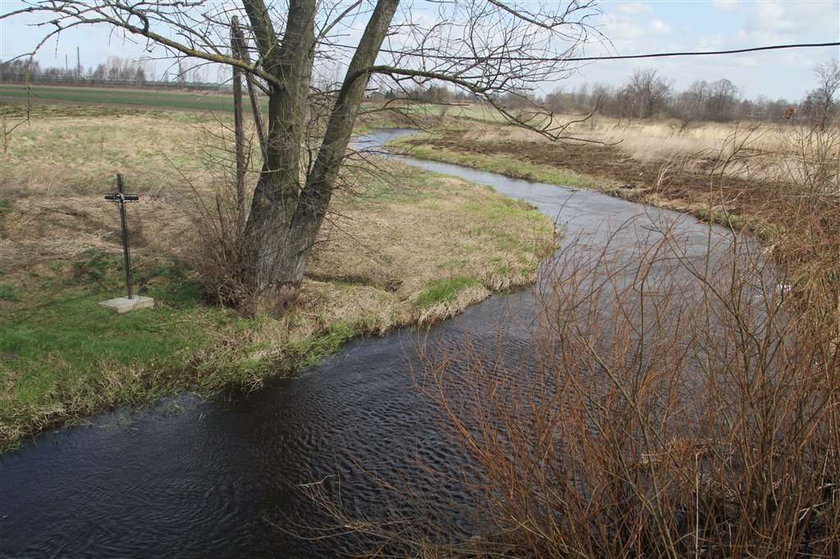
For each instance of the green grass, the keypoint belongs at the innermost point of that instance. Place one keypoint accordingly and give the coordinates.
(444, 291)
(75, 337)
(501, 164)
(191, 101)
(312, 351)
(9, 292)
(65, 356)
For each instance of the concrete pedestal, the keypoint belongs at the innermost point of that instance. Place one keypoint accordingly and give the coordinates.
(124, 304)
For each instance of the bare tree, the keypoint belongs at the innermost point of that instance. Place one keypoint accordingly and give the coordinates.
(485, 47)
(646, 92)
(723, 95)
(821, 103)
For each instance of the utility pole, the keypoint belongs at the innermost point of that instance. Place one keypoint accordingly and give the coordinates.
(249, 79)
(239, 142)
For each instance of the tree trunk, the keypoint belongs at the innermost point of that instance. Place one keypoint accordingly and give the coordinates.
(270, 267)
(286, 212)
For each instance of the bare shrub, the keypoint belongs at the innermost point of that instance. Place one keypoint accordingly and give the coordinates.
(675, 397)
(674, 406)
(217, 251)
(814, 162)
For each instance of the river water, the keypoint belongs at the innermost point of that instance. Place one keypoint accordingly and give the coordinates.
(193, 478)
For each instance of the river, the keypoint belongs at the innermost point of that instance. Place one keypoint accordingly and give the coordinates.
(193, 478)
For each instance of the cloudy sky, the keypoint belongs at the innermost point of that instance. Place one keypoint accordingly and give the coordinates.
(640, 27)
(631, 28)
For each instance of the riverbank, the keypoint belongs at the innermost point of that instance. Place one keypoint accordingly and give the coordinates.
(781, 184)
(698, 184)
(402, 247)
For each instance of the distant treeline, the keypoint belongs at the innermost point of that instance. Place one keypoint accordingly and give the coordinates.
(115, 72)
(646, 94)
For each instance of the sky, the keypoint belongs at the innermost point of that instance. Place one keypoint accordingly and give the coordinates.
(701, 25)
(629, 28)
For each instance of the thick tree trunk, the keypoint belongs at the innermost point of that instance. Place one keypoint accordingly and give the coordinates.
(271, 267)
(286, 214)
(278, 263)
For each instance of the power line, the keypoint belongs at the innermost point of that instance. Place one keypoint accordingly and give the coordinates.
(596, 58)
(699, 53)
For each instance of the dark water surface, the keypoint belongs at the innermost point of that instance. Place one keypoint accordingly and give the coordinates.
(195, 478)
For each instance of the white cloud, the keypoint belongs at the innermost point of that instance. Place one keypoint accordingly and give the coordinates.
(660, 27)
(776, 21)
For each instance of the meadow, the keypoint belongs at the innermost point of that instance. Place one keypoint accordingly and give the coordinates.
(63, 357)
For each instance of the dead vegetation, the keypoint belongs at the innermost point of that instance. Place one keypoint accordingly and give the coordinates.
(671, 402)
(675, 408)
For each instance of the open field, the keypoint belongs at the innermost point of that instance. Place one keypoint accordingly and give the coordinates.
(62, 356)
(141, 98)
(13, 97)
(70, 101)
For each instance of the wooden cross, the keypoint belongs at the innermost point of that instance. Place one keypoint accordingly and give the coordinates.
(120, 197)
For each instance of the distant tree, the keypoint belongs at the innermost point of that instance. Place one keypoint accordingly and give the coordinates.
(821, 104)
(558, 101)
(646, 93)
(721, 102)
(691, 103)
(518, 99)
(99, 74)
(181, 77)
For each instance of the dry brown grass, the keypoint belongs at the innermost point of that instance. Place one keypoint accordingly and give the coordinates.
(773, 147)
(694, 414)
(396, 238)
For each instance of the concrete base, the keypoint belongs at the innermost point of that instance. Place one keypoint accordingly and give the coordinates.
(124, 304)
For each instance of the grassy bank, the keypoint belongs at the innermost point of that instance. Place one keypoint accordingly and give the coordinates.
(402, 247)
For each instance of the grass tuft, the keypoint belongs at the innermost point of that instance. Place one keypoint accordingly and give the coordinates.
(444, 291)
(9, 292)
